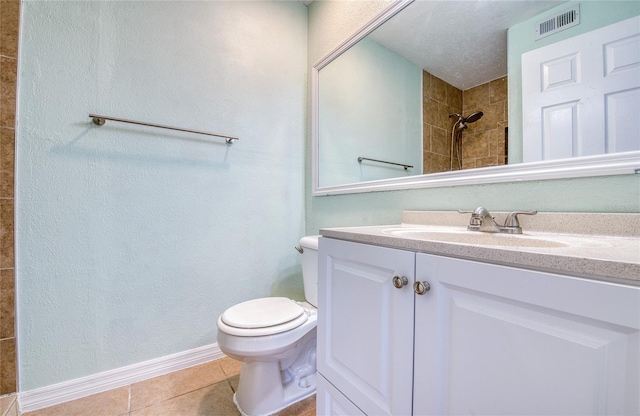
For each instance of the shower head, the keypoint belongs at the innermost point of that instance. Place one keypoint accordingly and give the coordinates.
(473, 117)
(461, 123)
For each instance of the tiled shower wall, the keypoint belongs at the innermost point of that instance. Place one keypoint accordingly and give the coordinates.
(9, 21)
(440, 100)
(484, 143)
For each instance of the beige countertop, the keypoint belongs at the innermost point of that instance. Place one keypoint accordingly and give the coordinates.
(601, 246)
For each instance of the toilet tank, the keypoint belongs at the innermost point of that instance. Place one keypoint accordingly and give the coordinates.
(309, 247)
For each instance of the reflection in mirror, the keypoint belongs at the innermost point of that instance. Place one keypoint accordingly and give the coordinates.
(370, 103)
(410, 92)
(377, 99)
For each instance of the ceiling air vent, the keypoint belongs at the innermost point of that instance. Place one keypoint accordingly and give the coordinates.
(559, 22)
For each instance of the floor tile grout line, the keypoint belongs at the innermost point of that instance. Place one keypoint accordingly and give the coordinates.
(129, 400)
(231, 385)
(183, 394)
(224, 372)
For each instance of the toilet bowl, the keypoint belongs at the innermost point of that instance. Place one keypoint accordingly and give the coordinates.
(275, 339)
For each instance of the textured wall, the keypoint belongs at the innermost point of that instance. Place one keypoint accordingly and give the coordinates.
(330, 23)
(9, 22)
(132, 240)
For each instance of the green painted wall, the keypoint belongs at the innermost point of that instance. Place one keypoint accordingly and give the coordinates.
(131, 241)
(391, 121)
(329, 24)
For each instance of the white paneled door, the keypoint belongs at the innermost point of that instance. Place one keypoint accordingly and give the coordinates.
(581, 96)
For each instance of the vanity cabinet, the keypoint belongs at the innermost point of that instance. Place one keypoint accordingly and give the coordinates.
(485, 339)
(365, 341)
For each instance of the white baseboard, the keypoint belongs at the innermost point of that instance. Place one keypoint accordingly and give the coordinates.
(112, 379)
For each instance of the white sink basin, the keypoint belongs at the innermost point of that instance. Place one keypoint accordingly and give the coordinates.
(462, 236)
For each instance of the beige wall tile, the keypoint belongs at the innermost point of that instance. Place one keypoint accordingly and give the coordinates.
(436, 163)
(443, 120)
(497, 140)
(110, 403)
(7, 156)
(430, 111)
(7, 366)
(475, 98)
(475, 145)
(9, 22)
(211, 400)
(486, 161)
(454, 98)
(496, 114)
(498, 91)
(6, 233)
(426, 137)
(440, 100)
(164, 387)
(438, 90)
(468, 164)
(440, 141)
(7, 304)
(490, 98)
(7, 91)
(426, 83)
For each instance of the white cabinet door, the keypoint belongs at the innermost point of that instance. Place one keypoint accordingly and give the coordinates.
(365, 324)
(503, 341)
(330, 402)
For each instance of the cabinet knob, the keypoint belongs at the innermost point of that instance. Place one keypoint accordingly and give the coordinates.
(398, 281)
(421, 287)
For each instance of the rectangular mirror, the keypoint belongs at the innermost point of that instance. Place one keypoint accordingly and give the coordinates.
(411, 100)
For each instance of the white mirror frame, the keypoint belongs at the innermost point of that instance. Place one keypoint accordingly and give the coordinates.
(600, 165)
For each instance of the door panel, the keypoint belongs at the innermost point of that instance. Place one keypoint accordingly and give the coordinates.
(581, 95)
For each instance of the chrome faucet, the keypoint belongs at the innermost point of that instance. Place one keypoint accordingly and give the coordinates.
(481, 220)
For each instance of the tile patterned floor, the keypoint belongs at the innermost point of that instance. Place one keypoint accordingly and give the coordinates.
(8, 406)
(204, 390)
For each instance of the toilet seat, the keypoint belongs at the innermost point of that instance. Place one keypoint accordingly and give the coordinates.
(263, 316)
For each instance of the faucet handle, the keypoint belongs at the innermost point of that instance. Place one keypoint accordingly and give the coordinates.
(478, 216)
(480, 212)
(512, 220)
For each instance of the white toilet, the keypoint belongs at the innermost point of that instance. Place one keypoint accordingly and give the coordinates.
(275, 338)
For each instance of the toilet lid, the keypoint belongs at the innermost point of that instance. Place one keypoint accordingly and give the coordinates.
(262, 313)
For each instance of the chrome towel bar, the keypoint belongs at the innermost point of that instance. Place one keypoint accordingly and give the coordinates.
(100, 120)
(360, 159)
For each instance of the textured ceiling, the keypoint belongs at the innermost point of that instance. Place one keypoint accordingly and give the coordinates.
(461, 42)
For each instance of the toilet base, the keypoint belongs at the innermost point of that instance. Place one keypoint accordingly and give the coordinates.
(291, 395)
(265, 389)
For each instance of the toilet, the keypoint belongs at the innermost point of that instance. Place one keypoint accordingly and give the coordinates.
(275, 339)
